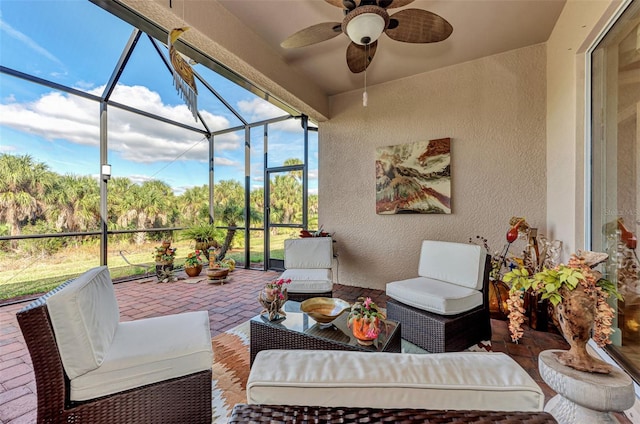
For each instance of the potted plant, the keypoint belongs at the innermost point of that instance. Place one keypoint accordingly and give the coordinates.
(364, 319)
(579, 296)
(164, 256)
(273, 297)
(205, 236)
(193, 263)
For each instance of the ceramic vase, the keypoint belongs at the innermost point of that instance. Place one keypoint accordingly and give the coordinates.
(273, 305)
(365, 331)
(576, 315)
(193, 271)
(498, 295)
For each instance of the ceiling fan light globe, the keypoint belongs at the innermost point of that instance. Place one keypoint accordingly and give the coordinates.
(365, 28)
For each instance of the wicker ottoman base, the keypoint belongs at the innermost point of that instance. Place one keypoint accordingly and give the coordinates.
(275, 414)
(439, 333)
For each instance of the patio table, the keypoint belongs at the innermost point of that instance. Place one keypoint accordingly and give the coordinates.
(299, 331)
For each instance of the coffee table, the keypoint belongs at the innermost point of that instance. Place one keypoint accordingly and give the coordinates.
(299, 331)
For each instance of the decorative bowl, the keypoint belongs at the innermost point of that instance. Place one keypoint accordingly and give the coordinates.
(217, 273)
(324, 309)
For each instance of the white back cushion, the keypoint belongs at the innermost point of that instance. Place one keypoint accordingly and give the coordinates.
(457, 263)
(85, 316)
(310, 252)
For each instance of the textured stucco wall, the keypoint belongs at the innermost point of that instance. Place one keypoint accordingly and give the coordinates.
(578, 25)
(493, 109)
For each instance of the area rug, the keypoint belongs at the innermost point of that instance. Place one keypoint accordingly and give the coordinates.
(231, 368)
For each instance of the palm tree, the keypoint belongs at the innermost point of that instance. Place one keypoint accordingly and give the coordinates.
(120, 213)
(23, 185)
(193, 205)
(286, 197)
(291, 162)
(76, 203)
(151, 204)
(231, 214)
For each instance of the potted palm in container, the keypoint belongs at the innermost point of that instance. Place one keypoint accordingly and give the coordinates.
(206, 236)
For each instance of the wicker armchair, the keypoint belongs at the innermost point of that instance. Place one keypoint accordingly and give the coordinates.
(181, 399)
(308, 263)
(445, 308)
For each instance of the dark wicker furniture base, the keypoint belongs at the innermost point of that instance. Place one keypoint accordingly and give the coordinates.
(299, 297)
(181, 400)
(441, 333)
(276, 414)
(438, 333)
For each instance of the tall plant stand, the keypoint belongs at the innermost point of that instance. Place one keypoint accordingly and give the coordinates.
(584, 397)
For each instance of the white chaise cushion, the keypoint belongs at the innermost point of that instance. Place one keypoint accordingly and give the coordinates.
(147, 351)
(457, 381)
(84, 315)
(457, 263)
(310, 252)
(434, 296)
(308, 280)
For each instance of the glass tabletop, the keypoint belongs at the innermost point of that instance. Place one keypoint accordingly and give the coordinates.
(336, 331)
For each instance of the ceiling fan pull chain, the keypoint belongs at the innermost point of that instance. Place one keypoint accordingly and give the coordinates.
(365, 96)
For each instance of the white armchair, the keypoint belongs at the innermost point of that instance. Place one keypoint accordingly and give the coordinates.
(92, 368)
(308, 263)
(446, 307)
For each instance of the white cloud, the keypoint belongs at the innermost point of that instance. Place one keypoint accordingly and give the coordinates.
(225, 162)
(259, 110)
(59, 116)
(4, 148)
(27, 41)
(139, 178)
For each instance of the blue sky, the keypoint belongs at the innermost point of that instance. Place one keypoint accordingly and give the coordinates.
(49, 40)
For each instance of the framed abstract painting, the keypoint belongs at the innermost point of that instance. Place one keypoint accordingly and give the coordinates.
(414, 178)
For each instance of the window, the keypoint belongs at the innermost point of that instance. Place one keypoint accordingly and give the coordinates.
(615, 208)
(58, 76)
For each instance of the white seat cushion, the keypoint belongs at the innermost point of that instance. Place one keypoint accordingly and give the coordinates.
(84, 316)
(457, 263)
(458, 381)
(311, 252)
(147, 351)
(434, 296)
(308, 280)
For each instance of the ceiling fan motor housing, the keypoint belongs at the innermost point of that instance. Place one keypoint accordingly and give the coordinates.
(365, 24)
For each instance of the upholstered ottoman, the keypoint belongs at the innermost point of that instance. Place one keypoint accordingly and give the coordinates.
(452, 381)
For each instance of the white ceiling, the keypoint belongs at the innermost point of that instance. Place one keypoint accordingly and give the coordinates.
(480, 28)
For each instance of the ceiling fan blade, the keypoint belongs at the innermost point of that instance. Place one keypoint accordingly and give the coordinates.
(359, 57)
(312, 35)
(418, 26)
(347, 4)
(390, 4)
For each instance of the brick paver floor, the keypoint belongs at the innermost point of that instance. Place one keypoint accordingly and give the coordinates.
(228, 305)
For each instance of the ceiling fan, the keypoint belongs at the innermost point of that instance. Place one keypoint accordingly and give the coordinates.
(365, 21)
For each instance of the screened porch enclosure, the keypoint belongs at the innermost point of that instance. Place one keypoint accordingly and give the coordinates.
(111, 161)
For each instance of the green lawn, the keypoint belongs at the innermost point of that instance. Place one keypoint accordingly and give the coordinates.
(20, 275)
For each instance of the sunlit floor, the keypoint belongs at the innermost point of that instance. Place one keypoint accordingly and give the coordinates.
(228, 306)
